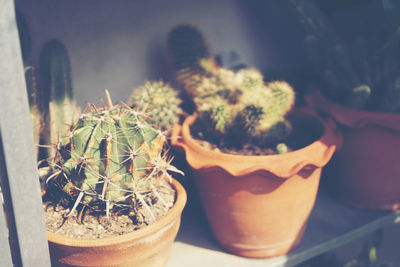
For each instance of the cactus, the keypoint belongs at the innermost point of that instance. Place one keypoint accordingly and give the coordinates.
(52, 108)
(57, 100)
(238, 108)
(35, 115)
(30, 79)
(187, 47)
(361, 74)
(161, 101)
(111, 157)
(359, 97)
(233, 108)
(282, 148)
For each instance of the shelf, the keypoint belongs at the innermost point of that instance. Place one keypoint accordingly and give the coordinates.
(331, 225)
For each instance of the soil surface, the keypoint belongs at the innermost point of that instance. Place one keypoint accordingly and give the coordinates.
(248, 149)
(304, 132)
(92, 225)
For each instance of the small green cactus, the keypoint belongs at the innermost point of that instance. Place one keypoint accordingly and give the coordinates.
(282, 148)
(111, 157)
(161, 101)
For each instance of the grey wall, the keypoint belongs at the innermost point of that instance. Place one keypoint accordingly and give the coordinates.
(119, 44)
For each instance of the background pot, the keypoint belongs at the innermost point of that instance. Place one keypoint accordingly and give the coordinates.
(257, 206)
(365, 172)
(148, 247)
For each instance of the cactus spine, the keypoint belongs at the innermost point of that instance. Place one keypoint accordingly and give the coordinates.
(161, 101)
(234, 108)
(112, 156)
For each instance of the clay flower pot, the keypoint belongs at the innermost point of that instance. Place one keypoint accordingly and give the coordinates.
(365, 172)
(258, 206)
(148, 247)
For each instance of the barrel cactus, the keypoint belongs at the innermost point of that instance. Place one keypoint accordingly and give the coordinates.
(112, 156)
(233, 108)
(161, 101)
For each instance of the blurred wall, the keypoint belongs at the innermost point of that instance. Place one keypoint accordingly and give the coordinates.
(119, 44)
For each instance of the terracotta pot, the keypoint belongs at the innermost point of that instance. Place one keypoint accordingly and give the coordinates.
(365, 172)
(258, 206)
(150, 246)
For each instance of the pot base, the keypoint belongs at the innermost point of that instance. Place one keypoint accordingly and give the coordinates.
(263, 252)
(147, 247)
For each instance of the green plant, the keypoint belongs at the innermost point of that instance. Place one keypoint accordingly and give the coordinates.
(359, 71)
(35, 116)
(59, 108)
(161, 101)
(234, 108)
(52, 108)
(187, 47)
(110, 160)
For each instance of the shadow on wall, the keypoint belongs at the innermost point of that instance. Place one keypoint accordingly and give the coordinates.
(276, 22)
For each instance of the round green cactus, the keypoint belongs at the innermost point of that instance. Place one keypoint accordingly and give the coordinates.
(161, 101)
(111, 156)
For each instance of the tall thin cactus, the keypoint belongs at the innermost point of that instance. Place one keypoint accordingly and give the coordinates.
(58, 105)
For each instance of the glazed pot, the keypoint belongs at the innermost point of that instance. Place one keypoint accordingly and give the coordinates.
(258, 206)
(365, 172)
(148, 247)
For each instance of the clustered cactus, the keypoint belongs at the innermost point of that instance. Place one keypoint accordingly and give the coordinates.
(161, 101)
(234, 108)
(363, 73)
(111, 158)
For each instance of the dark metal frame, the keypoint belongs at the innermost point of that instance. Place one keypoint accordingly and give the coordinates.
(24, 241)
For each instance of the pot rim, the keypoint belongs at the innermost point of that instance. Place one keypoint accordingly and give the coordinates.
(167, 219)
(327, 143)
(359, 112)
(350, 117)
